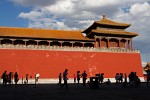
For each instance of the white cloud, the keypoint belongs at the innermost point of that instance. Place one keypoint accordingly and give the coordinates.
(48, 23)
(142, 10)
(61, 7)
(80, 14)
(73, 12)
(32, 15)
(96, 3)
(36, 24)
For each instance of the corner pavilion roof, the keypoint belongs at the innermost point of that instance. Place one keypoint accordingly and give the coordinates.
(41, 33)
(147, 67)
(106, 21)
(108, 27)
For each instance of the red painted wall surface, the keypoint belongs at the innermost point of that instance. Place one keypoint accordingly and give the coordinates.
(50, 63)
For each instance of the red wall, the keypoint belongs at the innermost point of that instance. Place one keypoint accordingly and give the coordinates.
(50, 63)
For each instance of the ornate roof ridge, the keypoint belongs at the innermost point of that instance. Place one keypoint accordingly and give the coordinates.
(23, 28)
(42, 33)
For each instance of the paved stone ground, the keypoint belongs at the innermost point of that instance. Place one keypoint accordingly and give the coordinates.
(75, 92)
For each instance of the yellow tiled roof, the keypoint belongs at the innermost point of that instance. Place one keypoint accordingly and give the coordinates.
(115, 32)
(106, 21)
(41, 33)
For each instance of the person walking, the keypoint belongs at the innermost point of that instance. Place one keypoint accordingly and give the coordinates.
(65, 78)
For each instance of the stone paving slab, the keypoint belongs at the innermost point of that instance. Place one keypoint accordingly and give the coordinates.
(75, 92)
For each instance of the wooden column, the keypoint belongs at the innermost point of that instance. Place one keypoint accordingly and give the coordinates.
(61, 43)
(37, 42)
(72, 43)
(100, 41)
(95, 42)
(131, 44)
(108, 42)
(25, 42)
(126, 44)
(49, 43)
(83, 44)
(119, 44)
(12, 41)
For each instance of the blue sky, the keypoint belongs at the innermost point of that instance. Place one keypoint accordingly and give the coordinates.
(78, 15)
(9, 14)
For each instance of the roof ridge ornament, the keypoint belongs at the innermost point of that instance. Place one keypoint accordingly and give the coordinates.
(104, 15)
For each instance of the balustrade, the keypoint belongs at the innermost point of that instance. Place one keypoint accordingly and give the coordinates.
(67, 48)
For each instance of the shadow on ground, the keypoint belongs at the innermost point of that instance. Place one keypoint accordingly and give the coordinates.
(75, 92)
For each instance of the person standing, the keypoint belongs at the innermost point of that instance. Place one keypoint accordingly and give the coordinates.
(74, 76)
(4, 77)
(65, 78)
(78, 77)
(60, 79)
(27, 78)
(16, 79)
(10, 78)
(84, 76)
(36, 78)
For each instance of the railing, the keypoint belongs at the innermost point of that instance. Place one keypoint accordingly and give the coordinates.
(65, 48)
